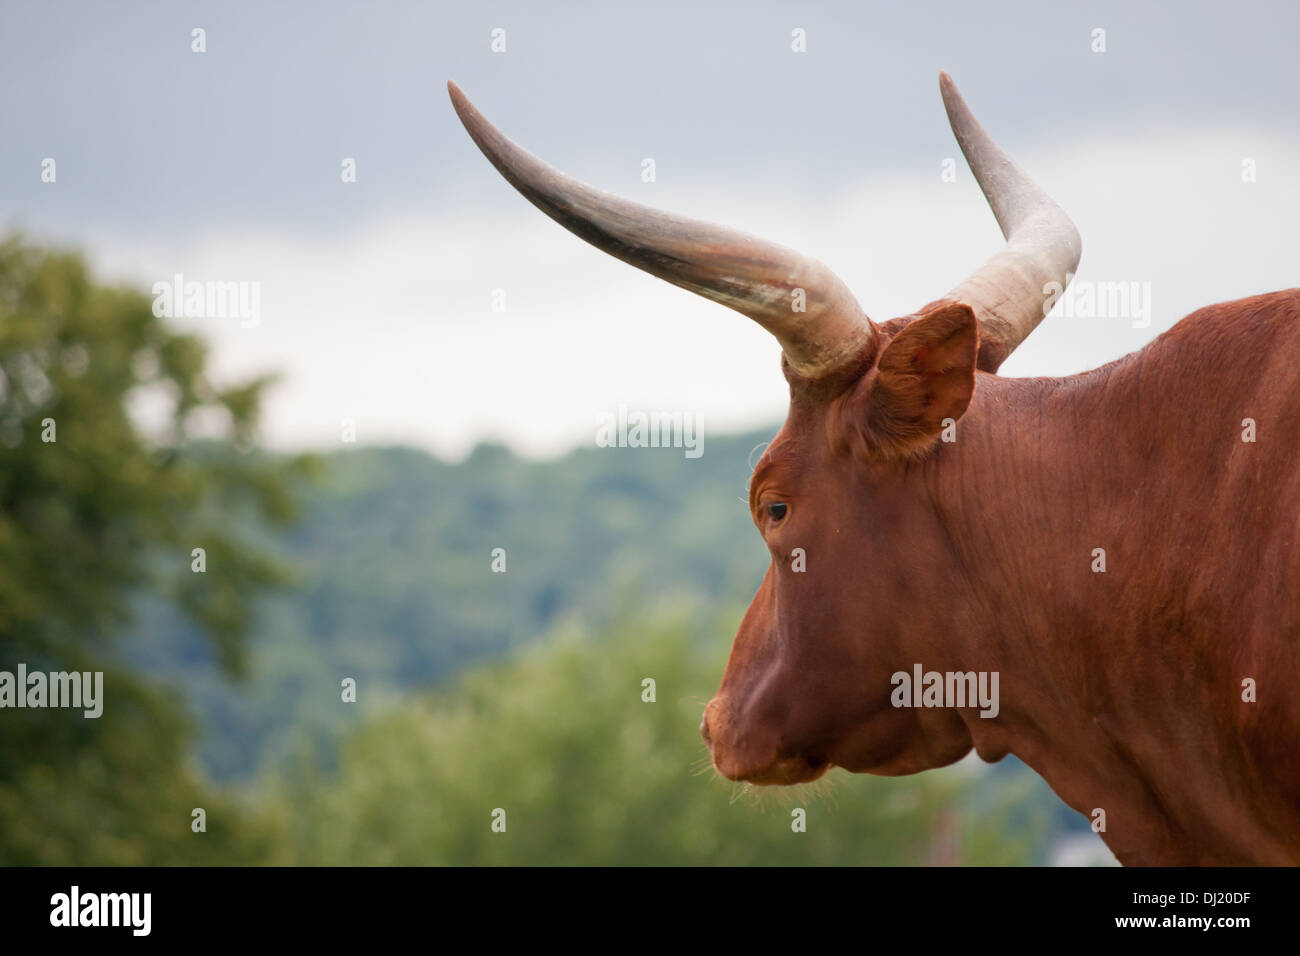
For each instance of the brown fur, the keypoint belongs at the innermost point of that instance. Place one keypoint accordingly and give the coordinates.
(1124, 688)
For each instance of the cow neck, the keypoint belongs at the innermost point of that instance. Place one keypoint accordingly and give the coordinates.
(1045, 480)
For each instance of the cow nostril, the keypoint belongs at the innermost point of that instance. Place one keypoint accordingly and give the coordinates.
(704, 729)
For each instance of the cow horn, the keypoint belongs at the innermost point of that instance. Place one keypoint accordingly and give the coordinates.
(1008, 293)
(819, 331)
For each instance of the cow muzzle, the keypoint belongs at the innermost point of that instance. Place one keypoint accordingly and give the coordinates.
(750, 755)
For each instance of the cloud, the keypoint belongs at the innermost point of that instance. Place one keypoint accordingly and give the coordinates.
(392, 324)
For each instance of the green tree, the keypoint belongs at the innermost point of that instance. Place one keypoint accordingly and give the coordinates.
(96, 513)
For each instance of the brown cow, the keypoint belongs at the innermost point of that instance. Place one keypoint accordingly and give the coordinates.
(1114, 549)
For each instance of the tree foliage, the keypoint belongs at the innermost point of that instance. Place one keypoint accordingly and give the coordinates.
(96, 512)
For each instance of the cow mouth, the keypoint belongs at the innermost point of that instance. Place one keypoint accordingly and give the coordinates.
(782, 772)
(747, 755)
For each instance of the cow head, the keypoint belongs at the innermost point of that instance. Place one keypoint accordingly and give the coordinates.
(855, 543)
(852, 545)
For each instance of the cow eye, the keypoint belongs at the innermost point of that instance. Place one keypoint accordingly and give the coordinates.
(776, 510)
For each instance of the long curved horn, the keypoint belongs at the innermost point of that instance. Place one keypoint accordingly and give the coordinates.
(1007, 293)
(756, 278)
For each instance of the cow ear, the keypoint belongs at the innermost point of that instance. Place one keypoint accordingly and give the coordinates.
(925, 375)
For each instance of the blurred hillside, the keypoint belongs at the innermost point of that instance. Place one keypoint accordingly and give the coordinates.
(395, 588)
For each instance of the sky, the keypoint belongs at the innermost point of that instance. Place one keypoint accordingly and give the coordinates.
(1176, 150)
